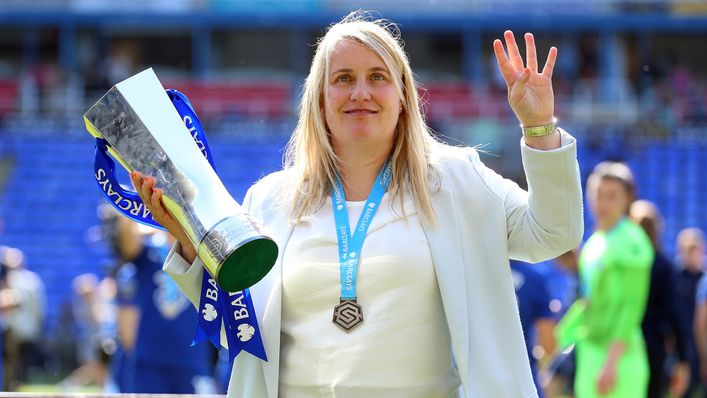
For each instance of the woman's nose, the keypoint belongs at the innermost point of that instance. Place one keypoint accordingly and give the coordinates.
(360, 90)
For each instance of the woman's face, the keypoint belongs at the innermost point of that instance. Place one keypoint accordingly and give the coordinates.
(609, 201)
(362, 104)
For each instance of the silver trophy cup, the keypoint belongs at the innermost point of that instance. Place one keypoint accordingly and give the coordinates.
(144, 132)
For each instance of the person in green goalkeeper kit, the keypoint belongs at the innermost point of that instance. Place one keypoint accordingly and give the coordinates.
(614, 275)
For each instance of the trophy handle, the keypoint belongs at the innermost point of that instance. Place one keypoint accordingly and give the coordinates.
(126, 202)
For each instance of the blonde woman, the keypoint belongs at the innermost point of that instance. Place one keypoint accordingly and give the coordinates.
(431, 284)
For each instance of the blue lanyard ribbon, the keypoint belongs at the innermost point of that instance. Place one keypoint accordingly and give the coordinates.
(351, 242)
(216, 307)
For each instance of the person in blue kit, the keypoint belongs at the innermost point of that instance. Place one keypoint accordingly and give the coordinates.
(691, 268)
(156, 322)
(700, 324)
(536, 316)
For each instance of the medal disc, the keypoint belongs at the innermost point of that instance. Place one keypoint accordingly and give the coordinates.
(348, 314)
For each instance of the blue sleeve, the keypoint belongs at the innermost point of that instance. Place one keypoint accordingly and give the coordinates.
(681, 331)
(701, 295)
(543, 299)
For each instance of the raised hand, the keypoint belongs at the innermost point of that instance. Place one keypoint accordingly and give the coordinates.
(529, 91)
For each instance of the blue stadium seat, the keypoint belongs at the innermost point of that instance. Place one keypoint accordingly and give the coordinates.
(50, 199)
(50, 203)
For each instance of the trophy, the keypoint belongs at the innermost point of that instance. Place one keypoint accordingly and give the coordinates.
(144, 132)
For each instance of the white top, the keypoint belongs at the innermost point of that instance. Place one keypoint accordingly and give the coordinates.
(482, 220)
(26, 321)
(403, 347)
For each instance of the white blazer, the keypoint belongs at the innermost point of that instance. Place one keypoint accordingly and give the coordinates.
(482, 220)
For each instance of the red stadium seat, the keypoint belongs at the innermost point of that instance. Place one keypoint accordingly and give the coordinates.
(254, 99)
(447, 100)
(8, 96)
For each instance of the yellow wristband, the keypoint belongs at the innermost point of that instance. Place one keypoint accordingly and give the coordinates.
(539, 131)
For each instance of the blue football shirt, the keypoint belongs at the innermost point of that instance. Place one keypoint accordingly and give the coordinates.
(533, 304)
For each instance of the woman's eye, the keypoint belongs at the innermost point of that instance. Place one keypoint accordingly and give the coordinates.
(377, 76)
(342, 78)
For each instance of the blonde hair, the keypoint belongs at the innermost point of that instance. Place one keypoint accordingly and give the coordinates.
(310, 152)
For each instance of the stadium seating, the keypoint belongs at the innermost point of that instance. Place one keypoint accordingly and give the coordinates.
(50, 200)
(252, 99)
(667, 173)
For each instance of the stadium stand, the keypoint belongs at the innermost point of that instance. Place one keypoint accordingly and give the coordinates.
(50, 203)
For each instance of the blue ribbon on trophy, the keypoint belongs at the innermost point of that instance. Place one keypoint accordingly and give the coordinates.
(186, 111)
(125, 202)
(211, 310)
(242, 325)
(242, 331)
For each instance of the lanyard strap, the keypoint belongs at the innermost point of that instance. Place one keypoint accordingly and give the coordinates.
(351, 242)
